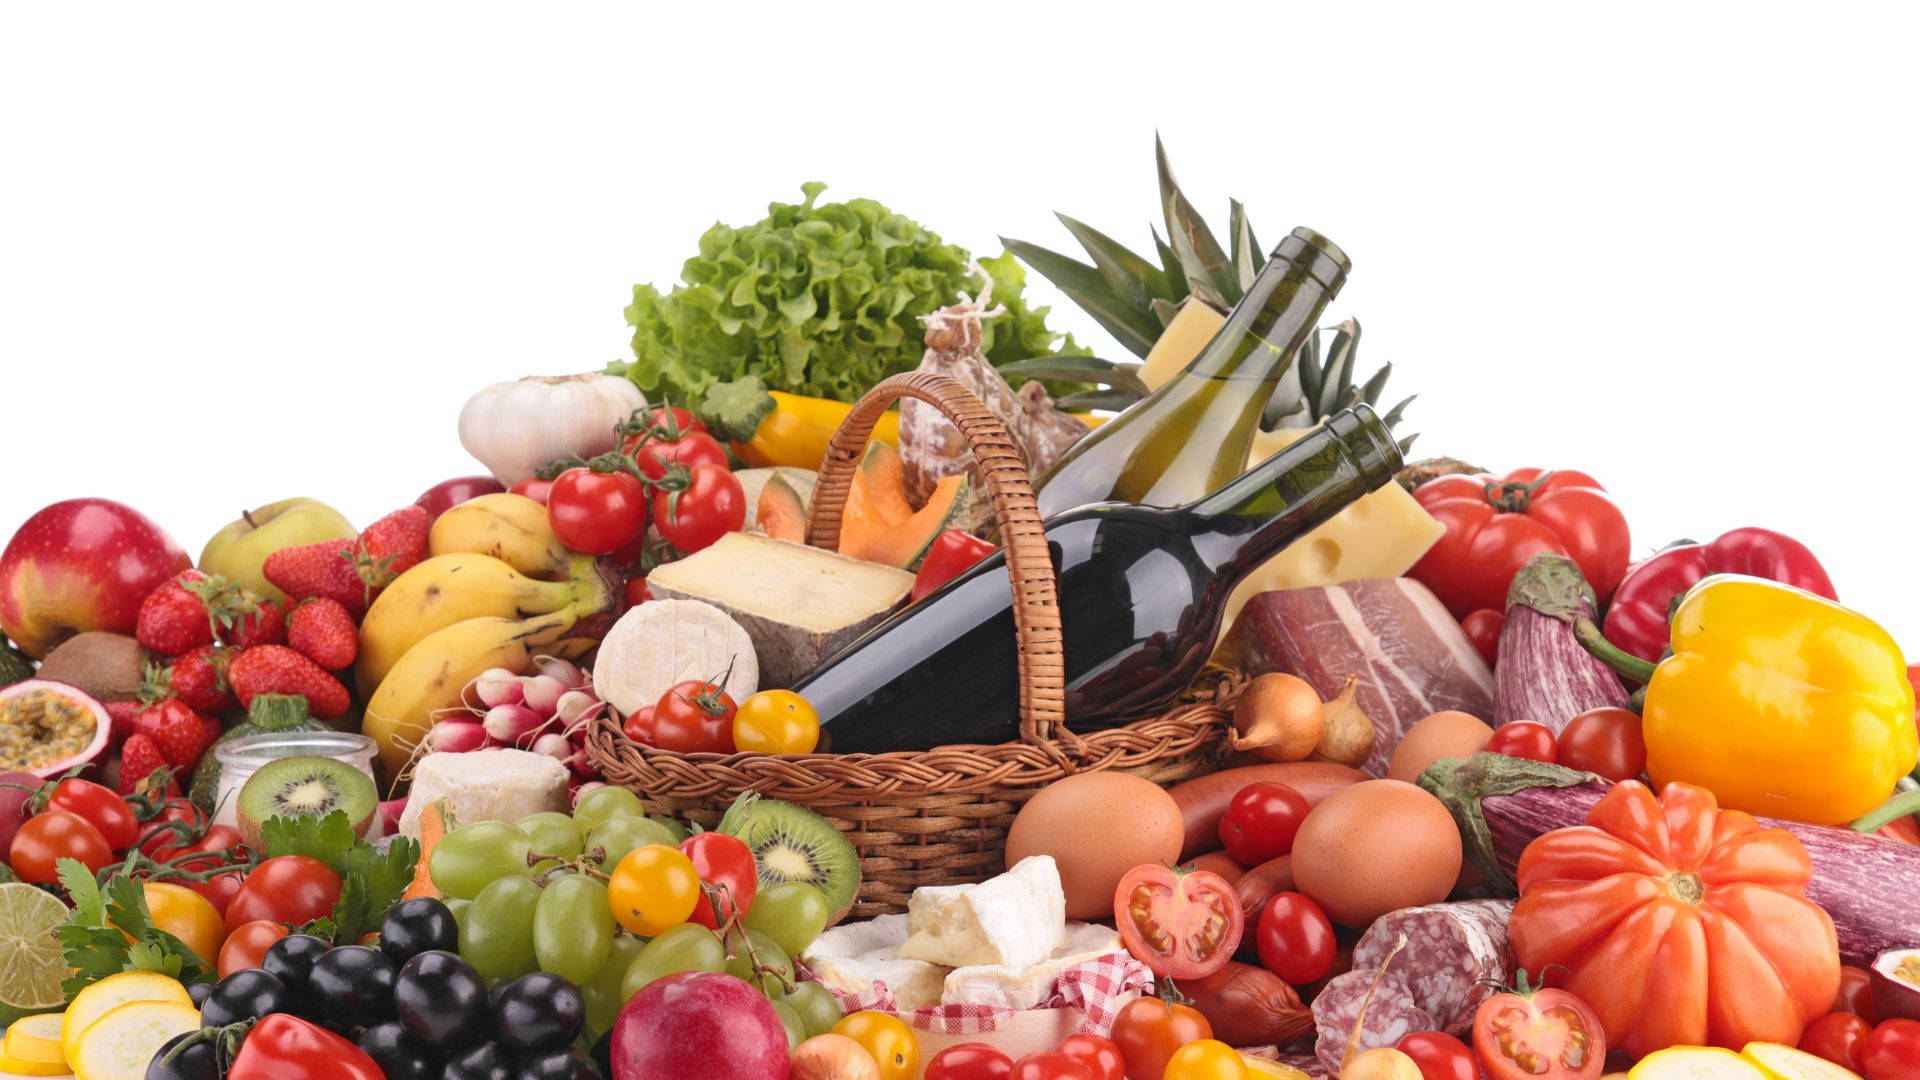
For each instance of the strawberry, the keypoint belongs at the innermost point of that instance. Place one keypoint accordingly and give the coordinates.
(324, 631)
(328, 568)
(173, 618)
(121, 714)
(175, 730)
(198, 677)
(276, 669)
(392, 546)
(139, 761)
(253, 620)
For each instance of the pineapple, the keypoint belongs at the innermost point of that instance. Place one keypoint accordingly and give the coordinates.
(1166, 313)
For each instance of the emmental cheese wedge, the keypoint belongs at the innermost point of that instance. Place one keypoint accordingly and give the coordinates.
(798, 604)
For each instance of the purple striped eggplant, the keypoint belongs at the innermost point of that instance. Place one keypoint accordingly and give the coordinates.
(1543, 674)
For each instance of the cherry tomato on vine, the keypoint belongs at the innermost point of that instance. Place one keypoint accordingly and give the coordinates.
(970, 1061)
(1840, 1037)
(1440, 1056)
(655, 452)
(47, 838)
(163, 831)
(1892, 1052)
(220, 889)
(247, 946)
(1051, 1065)
(534, 488)
(695, 717)
(1100, 1055)
(1261, 821)
(1295, 939)
(776, 722)
(887, 1038)
(661, 421)
(1524, 739)
(725, 864)
(1606, 741)
(1182, 924)
(1483, 631)
(1148, 1031)
(101, 806)
(711, 505)
(1205, 1059)
(652, 889)
(1856, 993)
(596, 512)
(292, 889)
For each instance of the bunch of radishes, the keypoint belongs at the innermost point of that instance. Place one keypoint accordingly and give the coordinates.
(547, 712)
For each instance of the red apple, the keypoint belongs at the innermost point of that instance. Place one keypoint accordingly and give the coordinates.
(448, 494)
(78, 565)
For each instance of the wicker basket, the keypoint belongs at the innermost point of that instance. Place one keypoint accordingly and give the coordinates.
(936, 817)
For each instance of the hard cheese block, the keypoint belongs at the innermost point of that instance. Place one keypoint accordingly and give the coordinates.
(1015, 920)
(486, 785)
(798, 604)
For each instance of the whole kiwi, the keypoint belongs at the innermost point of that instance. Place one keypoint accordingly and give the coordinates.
(106, 667)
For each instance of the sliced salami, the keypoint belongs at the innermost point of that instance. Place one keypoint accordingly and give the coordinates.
(1390, 1016)
(1306, 1062)
(1455, 957)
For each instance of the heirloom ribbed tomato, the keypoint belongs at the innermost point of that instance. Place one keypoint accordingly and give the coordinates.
(1495, 524)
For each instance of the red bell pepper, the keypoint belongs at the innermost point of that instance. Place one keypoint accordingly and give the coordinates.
(953, 553)
(283, 1047)
(1637, 621)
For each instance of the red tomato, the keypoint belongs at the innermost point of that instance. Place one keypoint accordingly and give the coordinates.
(534, 488)
(1840, 1037)
(291, 889)
(694, 717)
(214, 845)
(1182, 924)
(596, 512)
(47, 838)
(104, 809)
(636, 591)
(661, 422)
(1892, 1052)
(726, 866)
(220, 889)
(1524, 739)
(1051, 1065)
(1856, 993)
(639, 726)
(247, 946)
(711, 505)
(163, 831)
(1101, 1056)
(1440, 1056)
(969, 1061)
(1295, 939)
(1539, 1034)
(1495, 525)
(1261, 821)
(1605, 741)
(656, 452)
(1148, 1031)
(1483, 630)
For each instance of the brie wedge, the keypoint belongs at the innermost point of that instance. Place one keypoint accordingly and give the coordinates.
(1024, 988)
(1015, 920)
(852, 957)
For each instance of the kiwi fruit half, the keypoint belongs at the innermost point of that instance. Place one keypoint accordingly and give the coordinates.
(304, 787)
(792, 843)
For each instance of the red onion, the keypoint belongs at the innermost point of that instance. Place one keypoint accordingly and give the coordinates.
(511, 725)
(456, 737)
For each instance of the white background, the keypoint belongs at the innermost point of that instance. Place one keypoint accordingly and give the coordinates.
(249, 251)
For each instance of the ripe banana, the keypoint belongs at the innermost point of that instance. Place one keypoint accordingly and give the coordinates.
(451, 588)
(432, 676)
(509, 527)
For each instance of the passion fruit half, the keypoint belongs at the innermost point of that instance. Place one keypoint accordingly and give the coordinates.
(49, 727)
(1896, 984)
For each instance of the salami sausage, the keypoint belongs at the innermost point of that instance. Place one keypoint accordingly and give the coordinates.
(1390, 1016)
(1456, 955)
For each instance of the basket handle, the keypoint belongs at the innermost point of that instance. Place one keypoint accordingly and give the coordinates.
(1036, 602)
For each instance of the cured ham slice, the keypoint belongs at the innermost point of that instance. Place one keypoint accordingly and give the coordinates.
(1410, 655)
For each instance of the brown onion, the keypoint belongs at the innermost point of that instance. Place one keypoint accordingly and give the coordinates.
(833, 1057)
(1278, 718)
(1380, 1063)
(1346, 732)
(1249, 1006)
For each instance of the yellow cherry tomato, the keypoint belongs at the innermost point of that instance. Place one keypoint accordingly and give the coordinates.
(653, 889)
(887, 1038)
(1206, 1059)
(188, 916)
(776, 722)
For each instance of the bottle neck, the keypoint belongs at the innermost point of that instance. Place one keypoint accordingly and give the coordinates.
(1300, 487)
(1268, 325)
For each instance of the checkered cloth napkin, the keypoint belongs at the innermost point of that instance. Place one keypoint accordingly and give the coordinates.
(1098, 988)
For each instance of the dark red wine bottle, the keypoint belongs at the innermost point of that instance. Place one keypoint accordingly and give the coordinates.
(1142, 591)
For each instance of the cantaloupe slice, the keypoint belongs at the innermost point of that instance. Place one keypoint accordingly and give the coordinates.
(879, 525)
(782, 514)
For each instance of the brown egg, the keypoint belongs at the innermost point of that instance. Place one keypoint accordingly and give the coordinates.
(1444, 734)
(1097, 826)
(1378, 846)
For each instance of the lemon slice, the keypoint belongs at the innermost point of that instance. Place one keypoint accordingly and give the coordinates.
(1695, 1063)
(121, 1044)
(37, 1038)
(110, 993)
(31, 966)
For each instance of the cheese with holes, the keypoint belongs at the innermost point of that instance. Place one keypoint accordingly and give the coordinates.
(852, 957)
(667, 641)
(486, 785)
(1024, 988)
(797, 604)
(1015, 920)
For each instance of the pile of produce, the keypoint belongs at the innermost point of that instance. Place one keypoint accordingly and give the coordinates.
(1494, 789)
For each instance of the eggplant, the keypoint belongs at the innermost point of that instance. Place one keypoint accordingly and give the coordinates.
(1866, 883)
(1543, 673)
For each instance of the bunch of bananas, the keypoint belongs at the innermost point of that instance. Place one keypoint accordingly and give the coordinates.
(498, 590)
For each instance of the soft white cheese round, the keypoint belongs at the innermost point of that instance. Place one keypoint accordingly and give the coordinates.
(663, 642)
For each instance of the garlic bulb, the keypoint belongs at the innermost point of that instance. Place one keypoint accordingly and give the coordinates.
(515, 427)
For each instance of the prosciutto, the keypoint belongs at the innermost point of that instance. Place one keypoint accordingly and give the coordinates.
(1411, 657)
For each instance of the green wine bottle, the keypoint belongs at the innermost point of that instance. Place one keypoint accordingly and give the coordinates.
(1192, 435)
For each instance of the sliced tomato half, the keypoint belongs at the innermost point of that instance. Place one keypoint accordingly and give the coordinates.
(1184, 924)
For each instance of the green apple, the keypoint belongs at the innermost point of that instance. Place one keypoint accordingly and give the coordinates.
(238, 551)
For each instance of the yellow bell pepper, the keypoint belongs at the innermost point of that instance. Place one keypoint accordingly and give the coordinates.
(799, 429)
(1781, 703)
